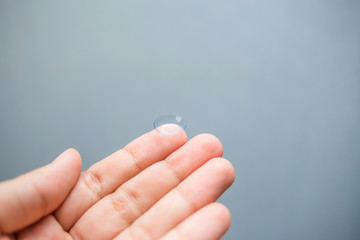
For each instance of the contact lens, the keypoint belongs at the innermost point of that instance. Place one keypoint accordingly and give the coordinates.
(170, 125)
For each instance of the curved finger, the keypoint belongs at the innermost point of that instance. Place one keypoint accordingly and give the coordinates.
(47, 228)
(34, 195)
(209, 223)
(105, 176)
(202, 187)
(119, 209)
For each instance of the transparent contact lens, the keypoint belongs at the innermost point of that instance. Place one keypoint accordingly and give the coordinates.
(170, 125)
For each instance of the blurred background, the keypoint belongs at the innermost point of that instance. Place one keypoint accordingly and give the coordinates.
(277, 81)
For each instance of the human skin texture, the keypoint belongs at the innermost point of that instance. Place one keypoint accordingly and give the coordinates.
(156, 187)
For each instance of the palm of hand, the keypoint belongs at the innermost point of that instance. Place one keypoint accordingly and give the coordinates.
(156, 187)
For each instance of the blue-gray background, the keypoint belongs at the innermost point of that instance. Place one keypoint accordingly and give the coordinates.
(277, 81)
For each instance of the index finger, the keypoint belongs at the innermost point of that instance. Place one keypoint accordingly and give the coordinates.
(105, 176)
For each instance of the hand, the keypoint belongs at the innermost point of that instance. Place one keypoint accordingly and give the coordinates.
(157, 187)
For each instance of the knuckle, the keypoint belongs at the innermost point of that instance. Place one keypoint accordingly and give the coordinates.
(125, 202)
(93, 182)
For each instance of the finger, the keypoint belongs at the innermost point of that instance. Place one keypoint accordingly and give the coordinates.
(107, 175)
(119, 209)
(46, 228)
(202, 187)
(209, 223)
(34, 195)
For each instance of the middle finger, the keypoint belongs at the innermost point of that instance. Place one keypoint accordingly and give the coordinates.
(118, 210)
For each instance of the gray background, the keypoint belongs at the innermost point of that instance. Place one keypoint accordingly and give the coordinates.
(277, 81)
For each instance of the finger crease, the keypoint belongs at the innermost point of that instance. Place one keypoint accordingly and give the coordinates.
(174, 172)
(140, 232)
(192, 206)
(44, 203)
(122, 201)
(93, 182)
(133, 158)
(21, 203)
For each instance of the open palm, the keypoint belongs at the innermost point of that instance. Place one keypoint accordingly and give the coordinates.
(157, 187)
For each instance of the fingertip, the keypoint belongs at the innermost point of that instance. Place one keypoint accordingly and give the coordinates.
(222, 167)
(222, 213)
(212, 221)
(75, 157)
(220, 216)
(228, 170)
(63, 173)
(70, 157)
(35, 194)
(211, 143)
(73, 151)
(183, 136)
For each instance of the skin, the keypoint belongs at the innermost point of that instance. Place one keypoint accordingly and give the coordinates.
(156, 187)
